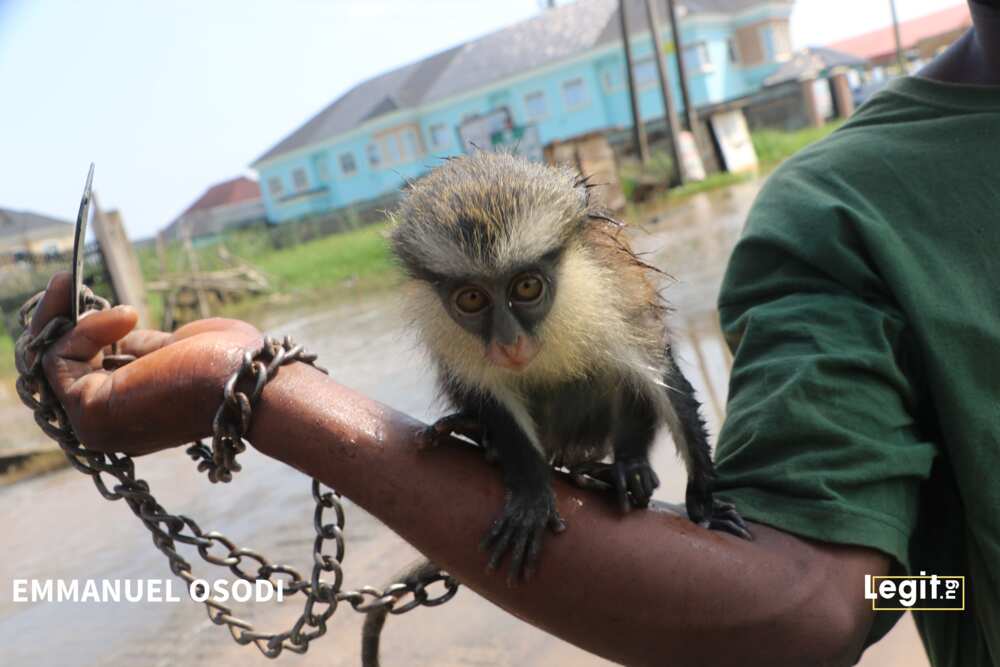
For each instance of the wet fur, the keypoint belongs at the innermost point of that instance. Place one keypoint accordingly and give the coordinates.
(486, 213)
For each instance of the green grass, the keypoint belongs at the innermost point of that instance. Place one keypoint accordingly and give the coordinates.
(6, 355)
(774, 146)
(361, 256)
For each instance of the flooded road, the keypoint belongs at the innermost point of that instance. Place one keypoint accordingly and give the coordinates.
(57, 526)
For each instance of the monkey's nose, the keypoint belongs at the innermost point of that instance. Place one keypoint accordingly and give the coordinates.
(515, 356)
(514, 351)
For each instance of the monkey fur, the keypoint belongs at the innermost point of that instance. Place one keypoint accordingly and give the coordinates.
(549, 336)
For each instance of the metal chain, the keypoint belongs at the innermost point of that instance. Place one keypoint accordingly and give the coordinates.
(232, 421)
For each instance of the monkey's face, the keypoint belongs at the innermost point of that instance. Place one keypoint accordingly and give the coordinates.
(505, 311)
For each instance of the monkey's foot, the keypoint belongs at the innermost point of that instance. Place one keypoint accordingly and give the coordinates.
(634, 479)
(458, 423)
(727, 519)
(520, 530)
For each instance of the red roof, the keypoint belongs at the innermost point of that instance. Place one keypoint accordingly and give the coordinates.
(882, 42)
(228, 192)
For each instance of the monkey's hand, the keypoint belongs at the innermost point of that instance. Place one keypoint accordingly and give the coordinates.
(634, 479)
(727, 519)
(706, 510)
(459, 423)
(520, 529)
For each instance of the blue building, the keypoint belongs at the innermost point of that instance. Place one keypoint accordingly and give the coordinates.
(562, 74)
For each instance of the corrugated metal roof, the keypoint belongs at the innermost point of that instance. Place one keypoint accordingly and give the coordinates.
(882, 42)
(554, 35)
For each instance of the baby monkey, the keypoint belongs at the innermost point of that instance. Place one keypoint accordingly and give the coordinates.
(550, 343)
(549, 337)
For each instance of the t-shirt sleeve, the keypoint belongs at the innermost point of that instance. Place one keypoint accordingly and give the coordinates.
(819, 439)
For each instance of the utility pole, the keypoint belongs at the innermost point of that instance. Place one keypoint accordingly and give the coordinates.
(689, 114)
(899, 42)
(669, 110)
(638, 130)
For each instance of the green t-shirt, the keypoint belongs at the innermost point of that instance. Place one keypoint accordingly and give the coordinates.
(862, 305)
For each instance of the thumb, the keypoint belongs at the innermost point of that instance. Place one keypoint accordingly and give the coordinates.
(94, 332)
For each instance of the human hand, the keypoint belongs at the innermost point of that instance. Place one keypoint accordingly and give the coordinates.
(167, 397)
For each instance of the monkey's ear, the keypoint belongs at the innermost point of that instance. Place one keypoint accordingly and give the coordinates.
(584, 183)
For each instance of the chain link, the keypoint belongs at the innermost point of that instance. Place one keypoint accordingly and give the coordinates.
(231, 423)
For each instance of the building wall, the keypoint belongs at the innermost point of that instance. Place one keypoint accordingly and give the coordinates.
(58, 242)
(605, 107)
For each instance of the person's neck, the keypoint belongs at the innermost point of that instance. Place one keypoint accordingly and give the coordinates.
(975, 57)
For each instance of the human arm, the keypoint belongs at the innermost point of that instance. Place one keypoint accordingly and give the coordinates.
(638, 589)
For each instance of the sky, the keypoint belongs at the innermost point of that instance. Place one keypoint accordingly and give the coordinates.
(169, 97)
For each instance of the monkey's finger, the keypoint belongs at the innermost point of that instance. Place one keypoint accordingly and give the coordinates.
(459, 424)
(636, 487)
(621, 486)
(556, 523)
(499, 549)
(495, 531)
(534, 549)
(727, 519)
(521, 543)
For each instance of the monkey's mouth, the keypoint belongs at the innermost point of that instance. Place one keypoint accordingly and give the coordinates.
(514, 357)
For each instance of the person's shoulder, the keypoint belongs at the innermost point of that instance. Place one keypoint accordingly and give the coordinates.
(850, 164)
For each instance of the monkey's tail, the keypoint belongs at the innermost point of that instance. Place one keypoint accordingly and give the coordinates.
(371, 633)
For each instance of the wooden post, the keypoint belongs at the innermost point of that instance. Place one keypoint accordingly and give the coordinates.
(638, 130)
(120, 261)
(675, 31)
(203, 311)
(669, 110)
(161, 253)
(899, 42)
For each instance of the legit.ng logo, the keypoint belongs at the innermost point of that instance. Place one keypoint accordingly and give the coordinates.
(923, 592)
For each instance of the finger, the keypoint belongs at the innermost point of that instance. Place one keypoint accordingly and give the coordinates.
(517, 556)
(556, 523)
(531, 562)
(635, 483)
(499, 549)
(213, 324)
(648, 483)
(496, 530)
(55, 302)
(622, 487)
(94, 332)
(141, 342)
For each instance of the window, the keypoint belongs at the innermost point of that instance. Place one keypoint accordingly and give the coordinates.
(322, 170)
(374, 157)
(390, 147)
(611, 80)
(300, 180)
(644, 71)
(776, 40)
(734, 56)
(409, 145)
(439, 136)
(275, 187)
(534, 105)
(574, 94)
(696, 58)
(347, 164)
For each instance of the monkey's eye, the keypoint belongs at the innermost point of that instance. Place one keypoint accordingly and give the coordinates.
(527, 288)
(470, 300)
